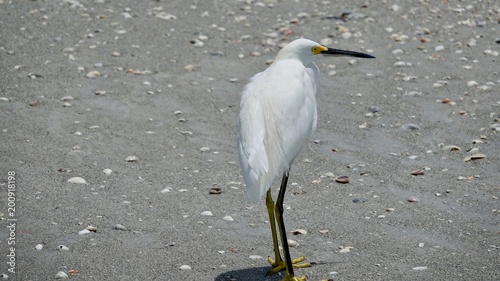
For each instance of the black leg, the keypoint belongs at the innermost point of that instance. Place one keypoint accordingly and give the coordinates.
(281, 225)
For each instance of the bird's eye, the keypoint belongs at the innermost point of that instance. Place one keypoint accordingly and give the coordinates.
(314, 49)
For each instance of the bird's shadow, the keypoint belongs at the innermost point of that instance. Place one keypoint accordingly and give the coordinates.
(249, 274)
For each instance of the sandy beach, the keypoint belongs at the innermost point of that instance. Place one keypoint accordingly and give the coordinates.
(119, 121)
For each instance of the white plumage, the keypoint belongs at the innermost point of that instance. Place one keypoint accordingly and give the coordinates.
(277, 115)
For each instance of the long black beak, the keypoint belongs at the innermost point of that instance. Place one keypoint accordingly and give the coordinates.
(344, 53)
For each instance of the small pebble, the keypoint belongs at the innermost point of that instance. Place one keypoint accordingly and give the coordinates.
(419, 268)
(204, 149)
(228, 218)
(39, 247)
(185, 267)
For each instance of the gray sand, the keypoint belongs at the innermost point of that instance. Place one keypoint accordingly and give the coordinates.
(151, 65)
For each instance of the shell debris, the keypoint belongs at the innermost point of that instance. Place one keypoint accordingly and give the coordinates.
(77, 180)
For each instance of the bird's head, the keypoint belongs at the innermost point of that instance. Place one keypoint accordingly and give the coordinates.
(305, 50)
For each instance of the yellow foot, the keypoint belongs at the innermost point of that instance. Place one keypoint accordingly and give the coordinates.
(289, 278)
(281, 265)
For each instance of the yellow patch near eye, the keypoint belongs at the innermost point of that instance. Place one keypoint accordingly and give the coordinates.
(318, 49)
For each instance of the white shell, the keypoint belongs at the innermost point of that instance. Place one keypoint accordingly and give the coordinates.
(299, 231)
(165, 190)
(132, 158)
(61, 275)
(255, 257)
(62, 248)
(119, 227)
(293, 243)
(228, 218)
(77, 180)
(207, 213)
(83, 232)
(185, 267)
(39, 247)
(107, 172)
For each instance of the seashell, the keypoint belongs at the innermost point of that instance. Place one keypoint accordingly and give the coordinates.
(417, 173)
(91, 228)
(299, 231)
(93, 74)
(166, 190)
(345, 249)
(77, 180)
(39, 247)
(255, 257)
(413, 199)
(107, 172)
(228, 218)
(119, 227)
(132, 158)
(62, 248)
(293, 243)
(342, 179)
(474, 157)
(61, 275)
(207, 213)
(83, 232)
(185, 267)
(451, 147)
(215, 190)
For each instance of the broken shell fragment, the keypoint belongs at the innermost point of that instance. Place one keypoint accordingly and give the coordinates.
(417, 173)
(474, 157)
(61, 275)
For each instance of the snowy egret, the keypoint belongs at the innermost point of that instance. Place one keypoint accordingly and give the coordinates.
(277, 115)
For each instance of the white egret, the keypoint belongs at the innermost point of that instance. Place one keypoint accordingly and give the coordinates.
(277, 115)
